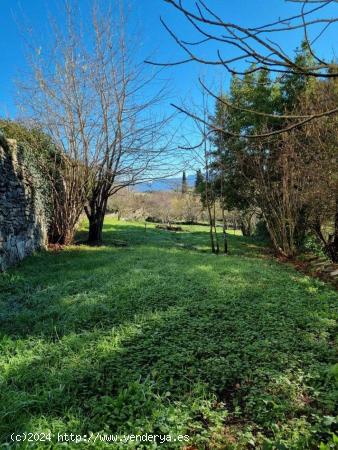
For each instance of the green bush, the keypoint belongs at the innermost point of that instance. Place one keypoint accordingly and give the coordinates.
(312, 245)
(261, 232)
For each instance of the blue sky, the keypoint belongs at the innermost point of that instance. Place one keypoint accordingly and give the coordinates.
(155, 40)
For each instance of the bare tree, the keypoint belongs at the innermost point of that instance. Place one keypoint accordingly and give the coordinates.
(202, 155)
(256, 48)
(319, 145)
(92, 96)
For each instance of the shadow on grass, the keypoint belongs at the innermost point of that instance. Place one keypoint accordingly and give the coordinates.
(156, 339)
(136, 234)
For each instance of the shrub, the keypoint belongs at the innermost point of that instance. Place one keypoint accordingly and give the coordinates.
(261, 232)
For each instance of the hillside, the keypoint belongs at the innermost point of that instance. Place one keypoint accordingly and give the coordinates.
(165, 184)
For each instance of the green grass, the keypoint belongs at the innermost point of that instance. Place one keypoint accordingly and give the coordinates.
(163, 337)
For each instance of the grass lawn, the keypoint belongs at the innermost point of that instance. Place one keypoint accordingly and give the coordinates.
(163, 337)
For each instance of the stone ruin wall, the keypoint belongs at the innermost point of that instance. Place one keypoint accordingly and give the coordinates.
(22, 223)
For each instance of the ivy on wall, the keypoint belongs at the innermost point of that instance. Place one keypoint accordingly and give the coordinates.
(36, 157)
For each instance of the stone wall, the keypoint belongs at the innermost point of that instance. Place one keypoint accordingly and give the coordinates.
(22, 222)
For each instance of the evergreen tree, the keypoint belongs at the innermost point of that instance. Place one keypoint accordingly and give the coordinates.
(261, 173)
(184, 183)
(199, 181)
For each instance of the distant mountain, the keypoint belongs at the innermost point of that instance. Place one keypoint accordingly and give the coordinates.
(165, 184)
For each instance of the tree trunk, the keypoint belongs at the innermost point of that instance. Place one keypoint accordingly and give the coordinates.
(212, 242)
(332, 246)
(95, 228)
(215, 229)
(96, 214)
(65, 238)
(225, 240)
(245, 229)
(246, 225)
